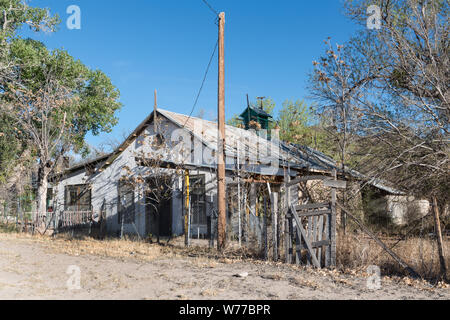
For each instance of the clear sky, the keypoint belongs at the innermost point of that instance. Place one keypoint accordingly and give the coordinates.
(166, 45)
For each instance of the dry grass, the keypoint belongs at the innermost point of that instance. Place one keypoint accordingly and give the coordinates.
(354, 253)
(114, 248)
(300, 282)
(359, 252)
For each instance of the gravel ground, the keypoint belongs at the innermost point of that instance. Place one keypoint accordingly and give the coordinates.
(37, 269)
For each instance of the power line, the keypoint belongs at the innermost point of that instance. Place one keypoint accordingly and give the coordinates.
(211, 8)
(203, 83)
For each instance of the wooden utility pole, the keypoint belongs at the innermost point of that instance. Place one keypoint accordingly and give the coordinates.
(155, 108)
(187, 214)
(222, 221)
(437, 226)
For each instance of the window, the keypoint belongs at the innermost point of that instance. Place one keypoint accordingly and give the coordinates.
(126, 203)
(77, 198)
(158, 141)
(198, 197)
(49, 199)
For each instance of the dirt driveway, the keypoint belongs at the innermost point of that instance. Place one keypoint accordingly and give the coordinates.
(37, 269)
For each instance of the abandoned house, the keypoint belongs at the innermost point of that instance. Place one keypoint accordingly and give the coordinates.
(166, 168)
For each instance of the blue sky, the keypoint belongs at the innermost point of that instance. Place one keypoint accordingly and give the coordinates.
(143, 45)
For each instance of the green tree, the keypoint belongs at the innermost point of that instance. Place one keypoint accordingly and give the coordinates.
(56, 100)
(14, 15)
(268, 105)
(293, 121)
(235, 121)
(10, 147)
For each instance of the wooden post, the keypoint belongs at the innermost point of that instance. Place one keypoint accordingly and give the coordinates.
(212, 226)
(287, 235)
(245, 229)
(309, 236)
(274, 204)
(186, 214)
(331, 252)
(155, 116)
(298, 245)
(437, 226)
(266, 246)
(222, 223)
(252, 198)
(291, 238)
(239, 196)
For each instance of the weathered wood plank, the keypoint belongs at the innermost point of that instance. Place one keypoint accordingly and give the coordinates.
(305, 239)
(265, 239)
(291, 238)
(312, 206)
(314, 213)
(287, 232)
(298, 247)
(317, 245)
(320, 237)
(327, 251)
(339, 184)
(307, 178)
(332, 225)
(314, 235)
(309, 235)
(274, 205)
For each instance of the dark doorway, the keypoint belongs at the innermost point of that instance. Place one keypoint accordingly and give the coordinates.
(158, 209)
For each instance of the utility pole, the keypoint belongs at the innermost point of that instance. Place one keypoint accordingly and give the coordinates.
(155, 116)
(222, 220)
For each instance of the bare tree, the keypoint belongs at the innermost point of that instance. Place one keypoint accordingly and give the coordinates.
(160, 163)
(403, 108)
(33, 111)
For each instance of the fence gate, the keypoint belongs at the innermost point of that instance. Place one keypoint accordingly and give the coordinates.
(311, 228)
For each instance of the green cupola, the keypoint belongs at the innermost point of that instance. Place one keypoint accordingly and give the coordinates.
(256, 118)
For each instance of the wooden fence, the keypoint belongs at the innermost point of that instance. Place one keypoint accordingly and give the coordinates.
(311, 235)
(51, 221)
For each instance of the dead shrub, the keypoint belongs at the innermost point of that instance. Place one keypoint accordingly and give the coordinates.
(357, 251)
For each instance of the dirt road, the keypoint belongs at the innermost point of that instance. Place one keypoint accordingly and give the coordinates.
(31, 269)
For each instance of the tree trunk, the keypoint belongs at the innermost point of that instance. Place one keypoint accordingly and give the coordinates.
(158, 224)
(41, 196)
(437, 224)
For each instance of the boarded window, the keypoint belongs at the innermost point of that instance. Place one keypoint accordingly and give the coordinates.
(126, 203)
(198, 197)
(77, 198)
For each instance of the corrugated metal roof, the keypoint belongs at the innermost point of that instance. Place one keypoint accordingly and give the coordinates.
(318, 159)
(237, 140)
(297, 156)
(246, 142)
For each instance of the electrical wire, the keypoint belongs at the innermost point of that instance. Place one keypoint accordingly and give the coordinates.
(203, 83)
(216, 13)
(211, 8)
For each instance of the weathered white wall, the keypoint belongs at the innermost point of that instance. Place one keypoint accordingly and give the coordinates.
(398, 207)
(105, 184)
